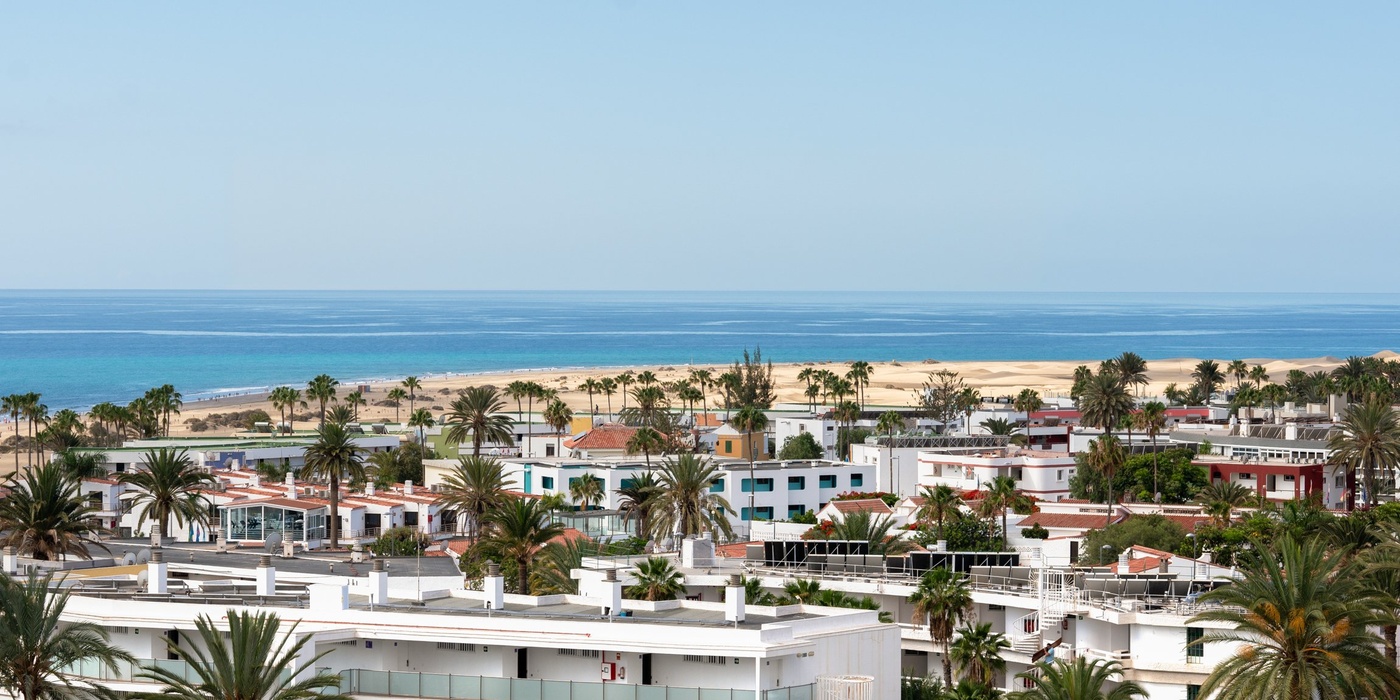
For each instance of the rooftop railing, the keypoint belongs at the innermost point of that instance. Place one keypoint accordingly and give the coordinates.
(452, 687)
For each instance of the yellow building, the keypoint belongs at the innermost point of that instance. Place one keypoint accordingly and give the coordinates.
(731, 442)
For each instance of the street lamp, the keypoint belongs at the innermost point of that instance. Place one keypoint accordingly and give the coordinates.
(1103, 554)
(1195, 552)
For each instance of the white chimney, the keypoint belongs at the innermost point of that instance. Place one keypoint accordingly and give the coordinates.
(155, 572)
(291, 484)
(378, 583)
(257, 480)
(734, 599)
(265, 576)
(408, 487)
(1290, 431)
(612, 604)
(495, 585)
(1123, 560)
(10, 561)
(369, 488)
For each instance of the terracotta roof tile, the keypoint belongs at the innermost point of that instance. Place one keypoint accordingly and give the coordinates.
(874, 505)
(1069, 521)
(609, 436)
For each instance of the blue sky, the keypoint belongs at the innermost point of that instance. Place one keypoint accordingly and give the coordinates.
(630, 145)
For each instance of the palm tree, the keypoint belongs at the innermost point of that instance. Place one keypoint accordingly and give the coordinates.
(558, 415)
(1303, 617)
(396, 395)
(549, 574)
(1104, 401)
(516, 529)
(1239, 369)
(519, 390)
(476, 414)
(412, 385)
(750, 420)
(1106, 455)
(940, 502)
(860, 377)
(34, 414)
(592, 386)
(999, 426)
(422, 419)
(803, 590)
(79, 465)
(977, 652)
(999, 496)
(475, 486)
(1368, 444)
(608, 386)
(687, 505)
(1222, 498)
(340, 414)
(969, 400)
(1027, 402)
(334, 457)
(874, 530)
(656, 579)
(942, 599)
(586, 491)
(625, 380)
(40, 649)
(646, 440)
(1131, 368)
(169, 487)
(45, 516)
(1208, 377)
(1081, 679)
(256, 660)
(321, 389)
(285, 400)
(14, 405)
(1152, 419)
(703, 380)
(1258, 375)
(355, 400)
(636, 498)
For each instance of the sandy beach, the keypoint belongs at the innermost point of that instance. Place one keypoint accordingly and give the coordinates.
(892, 383)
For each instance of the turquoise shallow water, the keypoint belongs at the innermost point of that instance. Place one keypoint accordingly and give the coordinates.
(81, 347)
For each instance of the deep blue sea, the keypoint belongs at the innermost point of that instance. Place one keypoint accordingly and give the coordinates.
(81, 347)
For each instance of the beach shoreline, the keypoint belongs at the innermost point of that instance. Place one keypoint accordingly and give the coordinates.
(892, 383)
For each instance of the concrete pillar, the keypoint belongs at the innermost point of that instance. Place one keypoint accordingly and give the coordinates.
(378, 583)
(291, 484)
(9, 561)
(266, 576)
(408, 487)
(155, 572)
(495, 585)
(734, 599)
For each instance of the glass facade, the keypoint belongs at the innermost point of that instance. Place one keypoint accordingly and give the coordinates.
(255, 523)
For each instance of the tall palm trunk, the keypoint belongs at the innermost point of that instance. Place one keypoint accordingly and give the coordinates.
(523, 574)
(1389, 632)
(335, 513)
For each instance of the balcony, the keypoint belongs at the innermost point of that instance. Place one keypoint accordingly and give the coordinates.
(452, 687)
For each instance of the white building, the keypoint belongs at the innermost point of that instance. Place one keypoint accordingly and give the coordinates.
(418, 637)
(896, 459)
(249, 451)
(1044, 475)
(825, 428)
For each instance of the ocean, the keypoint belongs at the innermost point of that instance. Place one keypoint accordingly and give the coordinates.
(81, 347)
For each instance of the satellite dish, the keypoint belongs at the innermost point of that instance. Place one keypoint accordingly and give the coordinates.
(129, 559)
(141, 579)
(143, 557)
(273, 543)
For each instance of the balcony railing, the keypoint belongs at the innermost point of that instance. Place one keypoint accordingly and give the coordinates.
(453, 687)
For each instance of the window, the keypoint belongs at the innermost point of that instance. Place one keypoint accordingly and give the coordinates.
(857, 480)
(717, 486)
(827, 481)
(454, 646)
(1059, 475)
(694, 659)
(547, 482)
(729, 446)
(549, 450)
(763, 513)
(1245, 475)
(797, 483)
(587, 653)
(1194, 652)
(747, 485)
(795, 510)
(410, 518)
(1193, 692)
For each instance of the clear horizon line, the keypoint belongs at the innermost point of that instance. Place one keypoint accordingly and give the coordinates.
(1175, 292)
